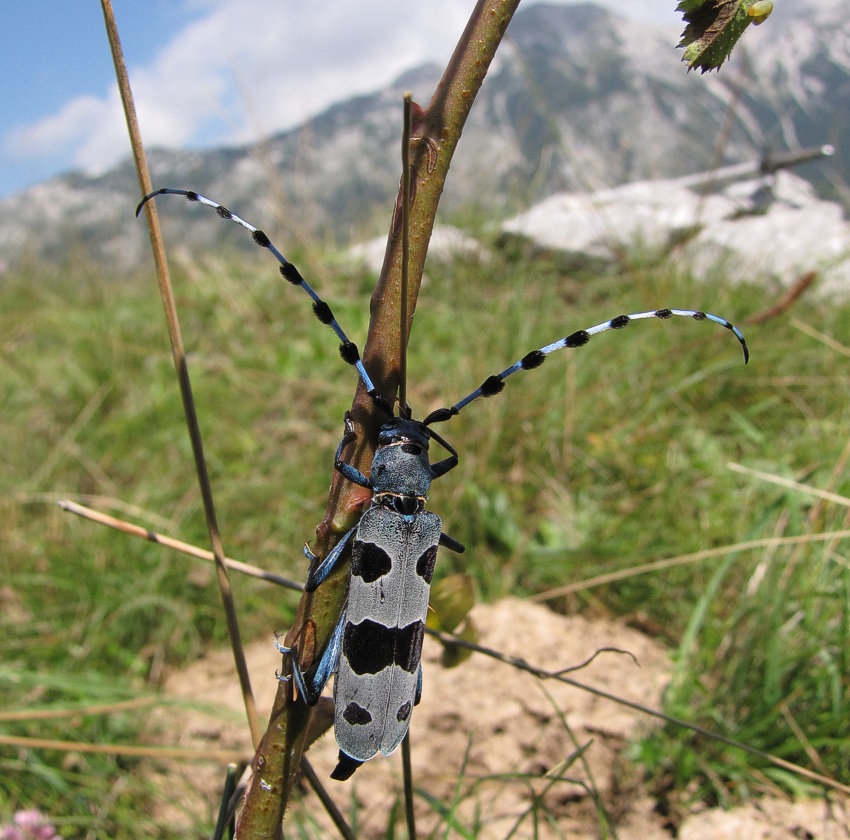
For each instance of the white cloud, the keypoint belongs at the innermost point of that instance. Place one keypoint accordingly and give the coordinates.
(51, 134)
(249, 67)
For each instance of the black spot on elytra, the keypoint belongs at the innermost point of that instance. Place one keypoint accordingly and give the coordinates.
(425, 564)
(369, 647)
(369, 561)
(403, 712)
(356, 715)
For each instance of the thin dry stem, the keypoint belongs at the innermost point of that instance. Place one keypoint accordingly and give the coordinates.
(179, 357)
(545, 674)
(405, 251)
(177, 545)
(826, 495)
(685, 559)
(330, 806)
(803, 327)
(79, 711)
(157, 753)
(407, 763)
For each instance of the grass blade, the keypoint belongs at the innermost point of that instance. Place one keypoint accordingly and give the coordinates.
(180, 365)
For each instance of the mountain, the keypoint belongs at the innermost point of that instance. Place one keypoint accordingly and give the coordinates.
(577, 99)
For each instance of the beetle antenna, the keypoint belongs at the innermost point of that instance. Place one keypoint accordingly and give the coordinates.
(347, 349)
(494, 384)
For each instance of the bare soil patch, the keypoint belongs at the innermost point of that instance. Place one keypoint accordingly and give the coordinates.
(481, 731)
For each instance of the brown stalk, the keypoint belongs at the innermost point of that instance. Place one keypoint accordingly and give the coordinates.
(786, 301)
(435, 132)
(180, 365)
(177, 545)
(79, 711)
(156, 753)
(405, 195)
(685, 559)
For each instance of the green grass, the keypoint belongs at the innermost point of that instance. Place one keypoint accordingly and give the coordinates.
(605, 458)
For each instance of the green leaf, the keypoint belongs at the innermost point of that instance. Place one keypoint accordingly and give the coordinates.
(452, 597)
(453, 655)
(714, 27)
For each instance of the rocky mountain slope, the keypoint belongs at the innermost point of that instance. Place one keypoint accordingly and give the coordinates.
(578, 99)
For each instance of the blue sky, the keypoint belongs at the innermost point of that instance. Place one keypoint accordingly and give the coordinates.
(204, 72)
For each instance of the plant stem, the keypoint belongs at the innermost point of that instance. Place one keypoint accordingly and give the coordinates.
(435, 133)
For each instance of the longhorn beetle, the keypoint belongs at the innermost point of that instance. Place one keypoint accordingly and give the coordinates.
(375, 648)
